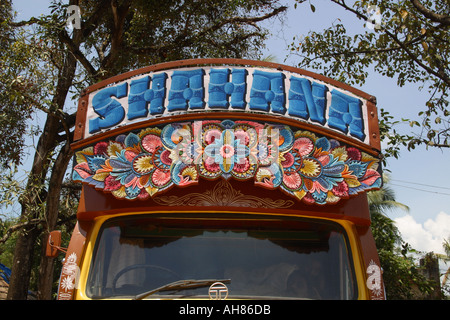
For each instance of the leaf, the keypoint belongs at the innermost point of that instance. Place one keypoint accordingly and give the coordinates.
(100, 176)
(403, 13)
(313, 9)
(352, 183)
(425, 46)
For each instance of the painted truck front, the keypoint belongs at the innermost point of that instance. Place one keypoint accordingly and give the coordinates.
(224, 178)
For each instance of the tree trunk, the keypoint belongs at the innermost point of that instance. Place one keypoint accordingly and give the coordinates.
(30, 202)
(430, 269)
(22, 263)
(51, 213)
(21, 269)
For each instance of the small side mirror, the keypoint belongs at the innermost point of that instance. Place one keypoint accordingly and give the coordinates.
(53, 244)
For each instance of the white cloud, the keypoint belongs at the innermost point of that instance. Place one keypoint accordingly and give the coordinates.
(425, 237)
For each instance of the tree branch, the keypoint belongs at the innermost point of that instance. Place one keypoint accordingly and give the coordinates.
(91, 23)
(32, 20)
(120, 13)
(17, 227)
(368, 51)
(87, 28)
(250, 21)
(64, 37)
(439, 74)
(443, 19)
(233, 20)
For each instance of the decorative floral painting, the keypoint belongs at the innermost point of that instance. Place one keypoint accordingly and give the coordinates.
(311, 168)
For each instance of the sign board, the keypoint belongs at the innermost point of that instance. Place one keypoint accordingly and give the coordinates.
(309, 136)
(238, 89)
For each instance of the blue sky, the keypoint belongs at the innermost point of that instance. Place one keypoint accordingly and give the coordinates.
(428, 221)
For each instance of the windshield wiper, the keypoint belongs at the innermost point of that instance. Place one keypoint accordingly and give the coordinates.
(180, 285)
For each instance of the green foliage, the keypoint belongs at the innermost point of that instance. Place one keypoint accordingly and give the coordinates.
(401, 275)
(25, 83)
(10, 187)
(119, 36)
(7, 247)
(409, 43)
(13, 112)
(382, 201)
(446, 258)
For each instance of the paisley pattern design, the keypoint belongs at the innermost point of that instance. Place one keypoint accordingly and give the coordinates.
(311, 168)
(222, 194)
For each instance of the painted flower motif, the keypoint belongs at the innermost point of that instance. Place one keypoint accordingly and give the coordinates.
(242, 166)
(321, 171)
(179, 141)
(69, 273)
(267, 154)
(265, 177)
(128, 166)
(304, 146)
(211, 165)
(111, 183)
(150, 142)
(101, 148)
(68, 283)
(341, 189)
(211, 135)
(292, 181)
(288, 161)
(143, 164)
(188, 152)
(242, 136)
(226, 151)
(160, 178)
(311, 168)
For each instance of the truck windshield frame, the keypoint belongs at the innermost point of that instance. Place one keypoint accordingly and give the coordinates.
(265, 257)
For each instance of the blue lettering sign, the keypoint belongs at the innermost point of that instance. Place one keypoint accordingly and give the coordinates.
(223, 93)
(219, 88)
(157, 94)
(239, 88)
(268, 89)
(140, 96)
(110, 111)
(307, 100)
(137, 105)
(227, 90)
(186, 90)
(345, 114)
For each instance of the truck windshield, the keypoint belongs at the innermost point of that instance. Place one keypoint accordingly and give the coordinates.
(264, 258)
